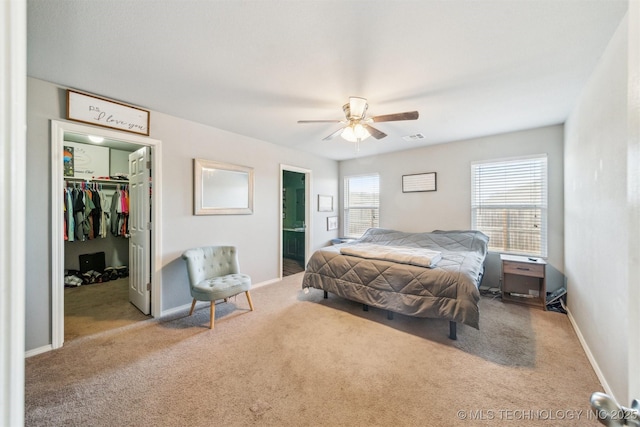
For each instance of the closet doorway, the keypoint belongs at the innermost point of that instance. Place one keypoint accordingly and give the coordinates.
(117, 267)
(295, 202)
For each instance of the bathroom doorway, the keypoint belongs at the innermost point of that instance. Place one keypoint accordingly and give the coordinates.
(294, 219)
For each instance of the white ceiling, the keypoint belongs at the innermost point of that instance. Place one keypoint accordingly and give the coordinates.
(470, 67)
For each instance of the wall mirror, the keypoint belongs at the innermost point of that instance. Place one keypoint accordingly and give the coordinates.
(222, 188)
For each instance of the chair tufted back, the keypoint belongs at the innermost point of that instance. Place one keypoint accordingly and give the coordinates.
(210, 261)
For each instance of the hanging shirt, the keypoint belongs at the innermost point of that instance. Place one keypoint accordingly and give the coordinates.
(78, 211)
(115, 207)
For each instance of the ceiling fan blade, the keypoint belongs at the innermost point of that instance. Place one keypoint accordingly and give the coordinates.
(409, 115)
(333, 135)
(319, 121)
(374, 132)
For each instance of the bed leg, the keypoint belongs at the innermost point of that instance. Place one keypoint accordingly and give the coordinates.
(389, 314)
(452, 330)
(365, 307)
(326, 294)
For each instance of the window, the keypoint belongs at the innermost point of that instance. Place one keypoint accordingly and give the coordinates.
(361, 204)
(509, 204)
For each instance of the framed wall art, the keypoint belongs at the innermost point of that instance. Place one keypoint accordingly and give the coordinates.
(419, 182)
(94, 110)
(325, 203)
(332, 223)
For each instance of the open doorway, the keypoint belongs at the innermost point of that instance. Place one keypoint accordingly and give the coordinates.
(98, 198)
(113, 269)
(295, 218)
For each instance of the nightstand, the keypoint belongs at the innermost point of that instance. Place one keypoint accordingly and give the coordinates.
(524, 281)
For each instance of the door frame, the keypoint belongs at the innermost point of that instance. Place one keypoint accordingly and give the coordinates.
(58, 128)
(308, 218)
(13, 124)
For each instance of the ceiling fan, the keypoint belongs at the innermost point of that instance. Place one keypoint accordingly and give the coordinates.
(357, 126)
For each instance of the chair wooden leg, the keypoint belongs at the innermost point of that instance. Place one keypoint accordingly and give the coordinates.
(213, 314)
(249, 299)
(193, 305)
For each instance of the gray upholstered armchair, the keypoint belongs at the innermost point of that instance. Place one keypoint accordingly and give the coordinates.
(214, 274)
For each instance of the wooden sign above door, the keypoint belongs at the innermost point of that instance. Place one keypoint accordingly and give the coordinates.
(94, 110)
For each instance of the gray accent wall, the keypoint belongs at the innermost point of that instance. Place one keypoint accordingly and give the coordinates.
(449, 208)
(256, 236)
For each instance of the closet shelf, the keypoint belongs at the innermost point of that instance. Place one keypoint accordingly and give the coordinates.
(113, 181)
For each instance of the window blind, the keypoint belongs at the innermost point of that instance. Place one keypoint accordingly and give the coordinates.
(361, 204)
(509, 204)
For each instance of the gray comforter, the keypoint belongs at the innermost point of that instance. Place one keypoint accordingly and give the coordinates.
(447, 291)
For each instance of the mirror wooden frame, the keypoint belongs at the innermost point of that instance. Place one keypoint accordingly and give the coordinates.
(222, 188)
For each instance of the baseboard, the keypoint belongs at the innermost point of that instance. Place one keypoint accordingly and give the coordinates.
(183, 308)
(265, 283)
(39, 350)
(201, 304)
(165, 313)
(592, 359)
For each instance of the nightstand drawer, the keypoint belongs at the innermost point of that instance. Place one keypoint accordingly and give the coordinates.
(523, 268)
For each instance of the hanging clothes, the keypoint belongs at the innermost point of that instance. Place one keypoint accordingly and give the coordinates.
(88, 214)
(78, 211)
(116, 206)
(71, 223)
(96, 213)
(87, 223)
(104, 215)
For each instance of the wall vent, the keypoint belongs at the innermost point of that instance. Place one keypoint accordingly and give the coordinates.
(414, 137)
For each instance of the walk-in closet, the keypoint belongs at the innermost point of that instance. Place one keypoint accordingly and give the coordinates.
(96, 233)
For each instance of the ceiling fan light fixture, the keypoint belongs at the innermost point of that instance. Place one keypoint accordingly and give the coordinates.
(357, 107)
(355, 133)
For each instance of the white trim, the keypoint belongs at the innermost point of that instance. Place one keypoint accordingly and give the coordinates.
(633, 188)
(58, 128)
(37, 351)
(13, 107)
(308, 238)
(204, 304)
(592, 359)
(57, 241)
(265, 283)
(183, 308)
(510, 159)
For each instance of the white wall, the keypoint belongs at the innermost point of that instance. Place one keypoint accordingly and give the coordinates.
(597, 211)
(257, 236)
(449, 207)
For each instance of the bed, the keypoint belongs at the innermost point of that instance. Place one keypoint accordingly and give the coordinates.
(434, 274)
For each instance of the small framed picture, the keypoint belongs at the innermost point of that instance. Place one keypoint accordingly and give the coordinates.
(325, 203)
(332, 223)
(419, 182)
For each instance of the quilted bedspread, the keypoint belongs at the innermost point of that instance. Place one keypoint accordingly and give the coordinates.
(447, 291)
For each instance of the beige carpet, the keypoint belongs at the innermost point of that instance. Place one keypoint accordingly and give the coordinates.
(89, 309)
(300, 360)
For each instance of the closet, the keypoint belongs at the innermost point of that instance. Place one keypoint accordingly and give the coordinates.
(96, 236)
(96, 215)
(100, 153)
